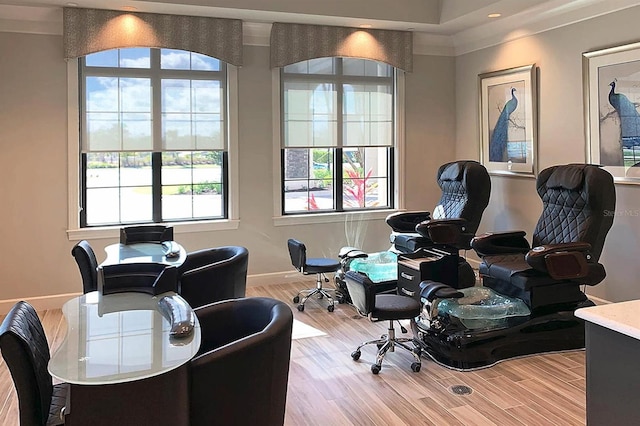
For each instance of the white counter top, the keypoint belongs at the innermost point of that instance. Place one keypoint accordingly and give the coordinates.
(623, 317)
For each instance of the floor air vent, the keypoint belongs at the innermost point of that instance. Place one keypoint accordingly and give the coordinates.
(461, 390)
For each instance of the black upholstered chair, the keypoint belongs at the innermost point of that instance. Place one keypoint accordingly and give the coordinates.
(314, 265)
(88, 265)
(465, 187)
(26, 353)
(240, 374)
(146, 234)
(578, 204)
(151, 278)
(383, 307)
(213, 274)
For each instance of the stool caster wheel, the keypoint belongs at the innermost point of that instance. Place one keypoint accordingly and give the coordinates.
(415, 367)
(296, 299)
(375, 368)
(301, 308)
(355, 355)
(330, 308)
(320, 296)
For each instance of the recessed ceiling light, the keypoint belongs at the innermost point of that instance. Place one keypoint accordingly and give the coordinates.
(494, 15)
(72, 4)
(129, 8)
(365, 26)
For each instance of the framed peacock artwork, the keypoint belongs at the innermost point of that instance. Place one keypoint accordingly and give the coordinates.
(612, 108)
(508, 126)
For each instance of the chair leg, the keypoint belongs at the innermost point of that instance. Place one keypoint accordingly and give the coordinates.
(387, 343)
(319, 290)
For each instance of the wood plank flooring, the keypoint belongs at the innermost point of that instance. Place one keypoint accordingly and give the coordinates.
(326, 387)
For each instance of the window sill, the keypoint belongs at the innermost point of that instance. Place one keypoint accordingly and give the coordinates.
(178, 228)
(306, 219)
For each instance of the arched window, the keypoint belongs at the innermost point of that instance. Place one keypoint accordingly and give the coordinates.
(153, 137)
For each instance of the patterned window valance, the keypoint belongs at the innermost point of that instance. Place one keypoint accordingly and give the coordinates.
(291, 43)
(93, 30)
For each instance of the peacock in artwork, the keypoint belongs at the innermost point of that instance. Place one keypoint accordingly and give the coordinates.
(629, 117)
(500, 135)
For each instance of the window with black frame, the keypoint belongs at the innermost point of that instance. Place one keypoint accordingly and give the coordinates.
(337, 135)
(153, 137)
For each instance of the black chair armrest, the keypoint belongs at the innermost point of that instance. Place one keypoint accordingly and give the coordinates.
(431, 290)
(446, 231)
(205, 257)
(351, 253)
(561, 261)
(406, 221)
(214, 274)
(492, 243)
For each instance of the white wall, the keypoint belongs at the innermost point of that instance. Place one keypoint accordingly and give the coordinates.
(36, 260)
(430, 115)
(33, 176)
(558, 54)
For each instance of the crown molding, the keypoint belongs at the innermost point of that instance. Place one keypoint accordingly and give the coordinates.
(256, 33)
(30, 27)
(545, 17)
(31, 20)
(433, 44)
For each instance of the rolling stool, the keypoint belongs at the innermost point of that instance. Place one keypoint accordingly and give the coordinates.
(316, 265)
(383, 307)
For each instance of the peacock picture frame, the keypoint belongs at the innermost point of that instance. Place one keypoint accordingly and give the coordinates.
(611, 79)
(508, 121)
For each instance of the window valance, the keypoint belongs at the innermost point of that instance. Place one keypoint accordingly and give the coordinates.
(93, 30)
(291, 43)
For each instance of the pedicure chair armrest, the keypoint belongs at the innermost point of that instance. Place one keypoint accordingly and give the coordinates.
(406, 221)
(351, 253)
(491, 243)
(431, 290)
(446, 231)
(561, 261)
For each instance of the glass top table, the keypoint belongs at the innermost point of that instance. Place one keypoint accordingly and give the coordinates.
(142, 253)
(118, 338)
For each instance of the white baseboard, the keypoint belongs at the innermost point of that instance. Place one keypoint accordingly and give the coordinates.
(278, 278)
(475, 264)
(55, 301)
(598, 300)
(40, 303)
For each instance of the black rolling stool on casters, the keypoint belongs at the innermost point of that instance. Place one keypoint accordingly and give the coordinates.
(383, 307)
(315, 265)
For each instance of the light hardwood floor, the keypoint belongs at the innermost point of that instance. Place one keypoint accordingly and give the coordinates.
(326, 387)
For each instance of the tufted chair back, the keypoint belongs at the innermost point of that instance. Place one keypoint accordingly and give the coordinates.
(465, 186)
(577, 206)
(26, 352)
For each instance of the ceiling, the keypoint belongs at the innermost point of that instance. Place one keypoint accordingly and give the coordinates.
(452, 26)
